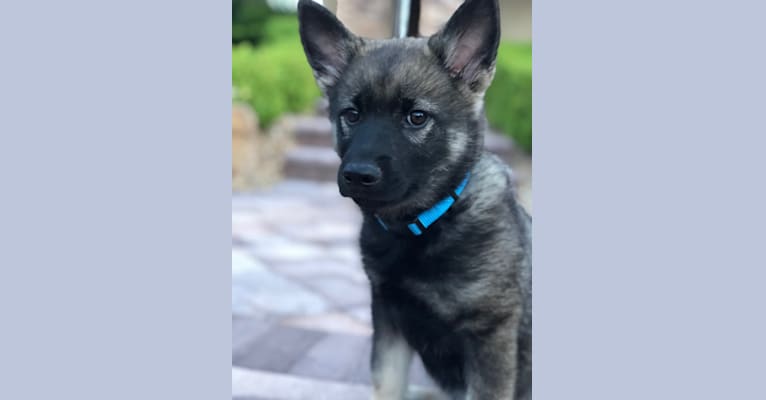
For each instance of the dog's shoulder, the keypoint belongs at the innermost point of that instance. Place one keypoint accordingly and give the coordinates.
(492, 206)
(492, 191)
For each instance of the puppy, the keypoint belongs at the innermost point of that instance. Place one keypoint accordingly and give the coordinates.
(445, 244)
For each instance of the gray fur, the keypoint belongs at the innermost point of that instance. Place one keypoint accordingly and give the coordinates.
(460, 295)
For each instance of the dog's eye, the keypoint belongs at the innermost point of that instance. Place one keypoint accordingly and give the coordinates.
(417, 118)
(350, 115)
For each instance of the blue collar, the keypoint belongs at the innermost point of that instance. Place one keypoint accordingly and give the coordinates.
(428, 217)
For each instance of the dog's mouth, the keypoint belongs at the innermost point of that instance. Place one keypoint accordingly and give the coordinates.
(380, 203)
(369, 201)
(370, 204)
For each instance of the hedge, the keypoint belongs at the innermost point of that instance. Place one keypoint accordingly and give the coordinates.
(248, 20)
(274, 78)
(508, 101)
(281, 27)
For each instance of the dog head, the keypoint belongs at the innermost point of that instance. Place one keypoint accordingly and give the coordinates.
(407, 114)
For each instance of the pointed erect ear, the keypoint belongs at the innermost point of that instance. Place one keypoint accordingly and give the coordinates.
(328, 44)
(467, 45)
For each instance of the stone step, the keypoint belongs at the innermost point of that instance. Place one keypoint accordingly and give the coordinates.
(312, 131)
(312, 162)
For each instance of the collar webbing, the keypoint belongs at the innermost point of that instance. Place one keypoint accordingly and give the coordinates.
(428, 217)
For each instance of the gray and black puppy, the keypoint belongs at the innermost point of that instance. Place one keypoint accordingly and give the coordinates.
(445, 244)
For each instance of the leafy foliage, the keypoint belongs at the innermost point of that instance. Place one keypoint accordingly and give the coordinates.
(273, 78)
(508, 101)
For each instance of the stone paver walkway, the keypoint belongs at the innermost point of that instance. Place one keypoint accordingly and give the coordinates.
(295, 258)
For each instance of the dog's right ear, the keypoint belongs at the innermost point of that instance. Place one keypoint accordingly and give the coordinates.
(328, 44)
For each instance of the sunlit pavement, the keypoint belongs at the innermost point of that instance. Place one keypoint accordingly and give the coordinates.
(295, 258)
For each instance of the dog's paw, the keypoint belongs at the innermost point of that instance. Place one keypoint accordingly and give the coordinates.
(380, 395)
(417, 393)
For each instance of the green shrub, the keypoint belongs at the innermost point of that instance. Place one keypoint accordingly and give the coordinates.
(248, 20)
(281, 27)
(508, 101)
(273, 78)
(255, 22)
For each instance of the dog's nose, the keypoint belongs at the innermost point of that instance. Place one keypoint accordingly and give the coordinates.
(361, 174)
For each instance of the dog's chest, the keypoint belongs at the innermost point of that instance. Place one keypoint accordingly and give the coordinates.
(419, 289)
(423, 275)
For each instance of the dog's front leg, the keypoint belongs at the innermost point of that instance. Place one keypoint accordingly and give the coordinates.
(491, 365)
(391, 357)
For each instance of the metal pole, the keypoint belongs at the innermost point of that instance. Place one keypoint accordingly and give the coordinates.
(402, 18)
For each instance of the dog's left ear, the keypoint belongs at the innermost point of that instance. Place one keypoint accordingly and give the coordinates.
(327, 43)
(467, 45)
